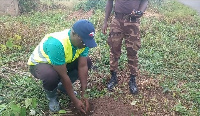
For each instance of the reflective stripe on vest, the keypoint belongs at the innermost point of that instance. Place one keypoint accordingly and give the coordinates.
(39, 56)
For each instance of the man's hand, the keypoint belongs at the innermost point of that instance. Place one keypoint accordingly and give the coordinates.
(104, 28)
(87, 105)
(61, 69)
(80, 106)
(136, 14)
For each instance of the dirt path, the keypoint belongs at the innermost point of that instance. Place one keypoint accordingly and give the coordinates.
(194, 4)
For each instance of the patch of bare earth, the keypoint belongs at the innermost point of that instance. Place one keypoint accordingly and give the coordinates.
(152, 14)
(149, 101)
(80, 14)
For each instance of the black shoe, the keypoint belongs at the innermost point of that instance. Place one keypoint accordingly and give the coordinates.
(61, 88)
(113, 81)
(132, 85)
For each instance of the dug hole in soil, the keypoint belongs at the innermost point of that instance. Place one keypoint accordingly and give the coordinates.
(150, 100)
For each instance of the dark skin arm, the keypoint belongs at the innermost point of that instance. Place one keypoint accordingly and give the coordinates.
(109, 7)
(62, 71)
(83, 75)
(142, 7)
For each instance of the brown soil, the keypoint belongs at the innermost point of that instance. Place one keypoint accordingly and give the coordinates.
(80, 14)
(149, 101)
(152, 14)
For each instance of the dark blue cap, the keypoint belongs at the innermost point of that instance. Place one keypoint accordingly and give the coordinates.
(86, 31)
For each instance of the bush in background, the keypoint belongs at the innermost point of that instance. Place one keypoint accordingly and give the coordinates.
(26, 6)
(92, 4)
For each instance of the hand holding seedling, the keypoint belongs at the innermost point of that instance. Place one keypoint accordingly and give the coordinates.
(86, 104)
(80, 106)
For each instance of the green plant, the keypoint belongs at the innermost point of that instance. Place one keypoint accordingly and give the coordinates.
(26, 6)
(95, 93)
(14, 42)
(180, 108)
(91, 4)
(18, 109)
(20, 98)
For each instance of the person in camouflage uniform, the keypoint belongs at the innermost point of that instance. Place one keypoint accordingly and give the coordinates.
(125, 25)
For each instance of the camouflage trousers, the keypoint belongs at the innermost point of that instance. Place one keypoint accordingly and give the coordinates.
(129, 31)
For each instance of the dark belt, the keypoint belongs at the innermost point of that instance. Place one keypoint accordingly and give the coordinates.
(125, 17)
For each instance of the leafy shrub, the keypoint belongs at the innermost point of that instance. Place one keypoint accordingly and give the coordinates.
(21, 98)
(91, 4)
(26, 6)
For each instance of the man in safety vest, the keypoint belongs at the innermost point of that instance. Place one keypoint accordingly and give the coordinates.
(60, 59)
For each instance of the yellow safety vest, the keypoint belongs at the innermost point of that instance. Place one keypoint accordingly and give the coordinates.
(39, 56)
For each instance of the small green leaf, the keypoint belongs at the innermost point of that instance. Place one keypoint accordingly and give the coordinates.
(62, 112)
(1, 86)
(17, 37)
(28, 102)
(133, 103)
(166, 90)
(32, 112)
(23, 111)
(179, 107)
(2, 106)
(34, 103)
(3, 47)
(9, 44)
(86, 95)
(15, 108)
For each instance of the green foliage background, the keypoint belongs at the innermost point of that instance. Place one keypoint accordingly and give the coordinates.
(26, 6)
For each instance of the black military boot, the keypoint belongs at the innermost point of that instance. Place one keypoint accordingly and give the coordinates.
(113, 81)
(132, 85)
